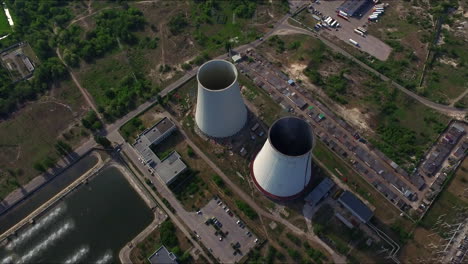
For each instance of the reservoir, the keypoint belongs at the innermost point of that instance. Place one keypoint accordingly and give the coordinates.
(26, 207)
(90, 225)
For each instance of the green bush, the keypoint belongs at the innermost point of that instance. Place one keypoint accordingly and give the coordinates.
(177, 24)
(246, 209)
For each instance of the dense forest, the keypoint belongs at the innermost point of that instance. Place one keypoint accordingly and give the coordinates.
(34, 21)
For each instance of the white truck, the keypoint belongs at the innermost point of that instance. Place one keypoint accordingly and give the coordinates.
(359, 32)
(355, 43)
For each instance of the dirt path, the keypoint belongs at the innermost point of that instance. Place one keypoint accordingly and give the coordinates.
(163, 38)
(83, 91)
(454, 101)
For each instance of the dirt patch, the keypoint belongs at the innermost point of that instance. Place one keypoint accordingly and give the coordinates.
(421, 247)
(297, 70)
(355, 117)
(448, 61)
(419, 48)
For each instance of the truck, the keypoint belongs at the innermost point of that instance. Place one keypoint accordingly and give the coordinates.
(343, 13)
(363, 30)
(333, 24)
(342, 16)
(359, 32)
(355, 43)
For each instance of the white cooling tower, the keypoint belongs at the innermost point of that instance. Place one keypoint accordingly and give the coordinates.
(220, 108)
(282, 170)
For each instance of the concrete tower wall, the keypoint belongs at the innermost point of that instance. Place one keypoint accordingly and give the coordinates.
(283, 168)
(220, 108)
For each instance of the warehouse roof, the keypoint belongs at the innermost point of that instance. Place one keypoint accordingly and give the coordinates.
(356, 206)
(319, 192)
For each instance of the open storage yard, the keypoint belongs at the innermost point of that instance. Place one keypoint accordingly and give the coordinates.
(366, 42)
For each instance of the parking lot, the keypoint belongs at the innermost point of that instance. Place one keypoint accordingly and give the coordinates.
(367, 43)
(220, 232)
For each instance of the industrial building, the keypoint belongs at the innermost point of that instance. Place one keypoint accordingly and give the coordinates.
(282, 170)
(356, 8)
(320, 192)
(220, 110)
(170, 167)
(163, 256)
(356, 206)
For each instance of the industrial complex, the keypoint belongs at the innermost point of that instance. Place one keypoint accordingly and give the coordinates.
(301, 143)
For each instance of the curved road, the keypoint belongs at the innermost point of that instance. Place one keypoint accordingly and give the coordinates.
(285, 29)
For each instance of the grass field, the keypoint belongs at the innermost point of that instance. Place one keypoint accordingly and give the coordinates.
(29, 136)
(4, 26)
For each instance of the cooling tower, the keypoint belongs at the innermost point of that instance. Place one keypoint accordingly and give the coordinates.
(283, 168)
(220, 109)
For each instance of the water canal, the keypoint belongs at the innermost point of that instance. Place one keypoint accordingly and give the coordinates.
(91, 224)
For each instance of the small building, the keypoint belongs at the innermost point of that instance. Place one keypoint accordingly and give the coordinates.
(319, 192)
(356, 206)
(170, 167)
(301, 104)
(163, 256)
(236, 58)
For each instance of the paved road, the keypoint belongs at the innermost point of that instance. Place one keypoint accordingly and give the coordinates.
(445, 109)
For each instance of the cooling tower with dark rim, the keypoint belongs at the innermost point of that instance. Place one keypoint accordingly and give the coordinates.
(282, 169)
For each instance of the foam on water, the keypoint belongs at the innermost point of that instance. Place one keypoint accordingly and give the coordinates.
(7, 260)
(105, 259)
(31, 231)
(78, 255)
(44, 244)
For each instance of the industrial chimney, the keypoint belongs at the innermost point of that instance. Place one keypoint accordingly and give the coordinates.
(220, 109)
(283, 168)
